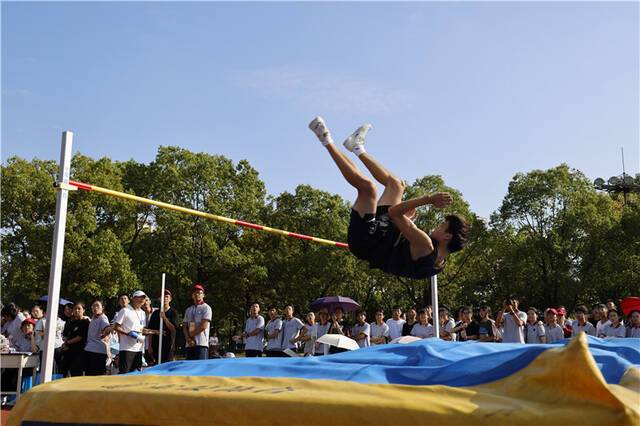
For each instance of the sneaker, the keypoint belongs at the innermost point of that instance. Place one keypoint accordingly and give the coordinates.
(320, 129)
(357, 138)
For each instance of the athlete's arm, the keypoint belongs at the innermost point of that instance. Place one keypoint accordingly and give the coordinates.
(421, 244)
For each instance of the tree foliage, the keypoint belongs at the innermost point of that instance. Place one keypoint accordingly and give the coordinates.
(554, 240)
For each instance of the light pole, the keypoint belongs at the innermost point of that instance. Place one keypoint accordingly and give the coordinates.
(624, 184)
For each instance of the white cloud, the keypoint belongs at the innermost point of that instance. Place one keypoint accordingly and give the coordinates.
(325, 91)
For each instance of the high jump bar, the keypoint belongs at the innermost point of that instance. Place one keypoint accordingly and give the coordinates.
(124, 195)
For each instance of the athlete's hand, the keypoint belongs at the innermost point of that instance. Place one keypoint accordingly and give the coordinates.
(440, 199)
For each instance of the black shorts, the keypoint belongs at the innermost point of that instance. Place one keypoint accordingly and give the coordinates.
(129, 361)
(372, 237)
(252, 353)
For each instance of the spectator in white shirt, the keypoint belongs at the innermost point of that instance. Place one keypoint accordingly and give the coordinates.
(123, 301)
(254, 333)
(395, 323)
(599, 318)
(633, 328)
(379, 329)
(12, 318)
(512, 320)
(308, 335)
(615, 328)
(37, 312)
(553, 331)
(95, 350)
(581, 324)
(24, 341)
(361, 332)
(273, 330)
(446, 324)
(290, 329)
(422, 328)
(130, 324)
(197, 325)
(534, 329)
(323, 328)
(214, 345)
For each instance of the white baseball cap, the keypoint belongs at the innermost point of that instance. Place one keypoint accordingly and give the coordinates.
(139, 293)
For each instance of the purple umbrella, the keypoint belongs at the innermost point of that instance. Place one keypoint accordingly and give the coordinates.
(332, 302)
(45, 298)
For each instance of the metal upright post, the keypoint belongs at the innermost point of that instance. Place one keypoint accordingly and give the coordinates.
(161, 321)
(434, 303)
(57, 253)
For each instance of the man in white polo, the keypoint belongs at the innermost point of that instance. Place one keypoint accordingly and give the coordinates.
(274, 327)
(130, 323)
(379, 329)
(513, 321)
(290, 329)
(196, 325)
(254, 333)
(361, 332)
(395, 323)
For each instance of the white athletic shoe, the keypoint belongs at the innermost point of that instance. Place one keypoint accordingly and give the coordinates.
(320, 129)
(357, 138)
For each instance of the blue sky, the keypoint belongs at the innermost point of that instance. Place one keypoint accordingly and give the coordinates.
(475, 92)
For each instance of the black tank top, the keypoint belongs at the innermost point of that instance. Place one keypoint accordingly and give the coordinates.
(393, 255)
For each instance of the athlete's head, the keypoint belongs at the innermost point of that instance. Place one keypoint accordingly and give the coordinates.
(454, 231)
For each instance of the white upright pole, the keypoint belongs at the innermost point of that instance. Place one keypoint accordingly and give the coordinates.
(57, 253)
(434, 303)
(161, 321)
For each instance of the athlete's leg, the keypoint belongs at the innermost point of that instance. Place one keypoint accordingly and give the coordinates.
(393, 186)
(367, 194)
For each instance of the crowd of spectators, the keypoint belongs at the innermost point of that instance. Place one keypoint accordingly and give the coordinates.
(511, 325)
(88, 343)
(91, 344)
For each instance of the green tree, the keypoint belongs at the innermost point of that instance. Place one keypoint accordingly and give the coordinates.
(553, 222)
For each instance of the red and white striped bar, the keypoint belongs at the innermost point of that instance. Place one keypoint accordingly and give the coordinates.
(123, 195)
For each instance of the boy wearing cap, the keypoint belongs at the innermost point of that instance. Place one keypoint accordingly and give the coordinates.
(25, 341)
(129, 323)
(196, 325)
(552, 330)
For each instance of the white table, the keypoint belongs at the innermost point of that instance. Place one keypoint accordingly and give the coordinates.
(20, 360)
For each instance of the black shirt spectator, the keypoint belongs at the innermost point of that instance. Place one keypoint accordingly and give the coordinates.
(75, 334)
(168, 338)
(411, 321)
(482, 328)
(77, 328)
